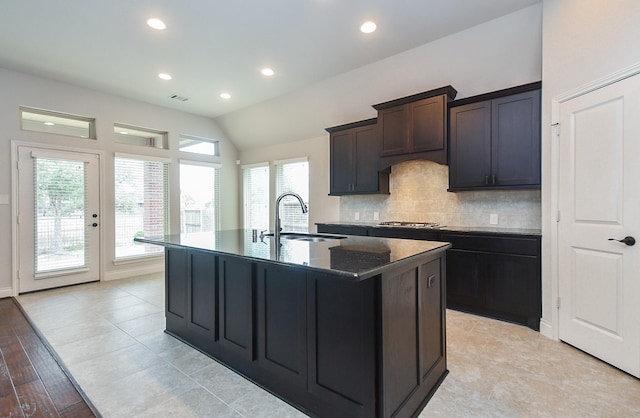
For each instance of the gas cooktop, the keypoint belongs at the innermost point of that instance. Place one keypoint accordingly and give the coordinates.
(429, 225)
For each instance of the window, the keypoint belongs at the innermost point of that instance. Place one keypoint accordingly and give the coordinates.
(293, 176)
(256, 197)
(48, 121)
(197, 145)
(199, 197)
(141, 203)
(126, 134)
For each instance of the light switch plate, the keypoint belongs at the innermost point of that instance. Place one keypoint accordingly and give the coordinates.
(493, 219)
(357, 216)
(4, 199)
(376, 216)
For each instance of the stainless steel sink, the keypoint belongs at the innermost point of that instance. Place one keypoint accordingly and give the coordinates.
(296, 236)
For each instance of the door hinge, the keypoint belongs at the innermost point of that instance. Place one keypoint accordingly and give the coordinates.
(558, 217)
(18, 274)
(558, 302)
(557, 126)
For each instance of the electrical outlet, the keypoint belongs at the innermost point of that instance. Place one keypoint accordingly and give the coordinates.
(493, 219)
(357, 216)
(376, 216)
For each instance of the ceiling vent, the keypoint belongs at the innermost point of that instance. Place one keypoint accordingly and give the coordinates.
(179, 98)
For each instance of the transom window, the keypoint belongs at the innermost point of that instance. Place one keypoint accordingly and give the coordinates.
(51, 122)
(132, 135)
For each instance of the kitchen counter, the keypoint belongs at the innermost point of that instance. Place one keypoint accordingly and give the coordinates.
(345, 327)
(384, 253)
(445, 228)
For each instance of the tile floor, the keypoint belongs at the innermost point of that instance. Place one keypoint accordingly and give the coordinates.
(110, 336)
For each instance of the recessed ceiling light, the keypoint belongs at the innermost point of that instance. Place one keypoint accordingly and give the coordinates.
(165, 76)
(156, 23)
(225, 96)
(368, 27)
(49, 123)
(267, 72)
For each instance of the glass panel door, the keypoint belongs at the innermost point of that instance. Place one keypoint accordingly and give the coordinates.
(58, 218)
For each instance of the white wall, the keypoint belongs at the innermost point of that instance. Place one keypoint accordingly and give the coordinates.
(322, 207)
(502, 53)
(20, 89)
(497, 54)
(583, 40)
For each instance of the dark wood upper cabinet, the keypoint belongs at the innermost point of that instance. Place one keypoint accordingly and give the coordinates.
(495, 140)
(354, 155)
(414, 127)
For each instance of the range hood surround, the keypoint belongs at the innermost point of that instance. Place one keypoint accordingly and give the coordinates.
(418, 192)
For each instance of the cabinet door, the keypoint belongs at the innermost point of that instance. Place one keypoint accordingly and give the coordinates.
(203, 295)
(466, 275)
(513, 288)
(237, 328)
(282, 326)
(470, 162)
(342, 170)
(427, 124)
(515, 135)
(392, 128)
(365, 145)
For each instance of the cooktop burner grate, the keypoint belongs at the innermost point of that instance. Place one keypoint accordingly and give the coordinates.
(411, 224)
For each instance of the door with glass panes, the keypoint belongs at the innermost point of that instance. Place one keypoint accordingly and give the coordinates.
(58, 221)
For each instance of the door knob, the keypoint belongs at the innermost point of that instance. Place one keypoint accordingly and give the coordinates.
(630, 241)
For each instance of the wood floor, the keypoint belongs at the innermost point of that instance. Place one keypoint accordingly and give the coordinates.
(32, 383)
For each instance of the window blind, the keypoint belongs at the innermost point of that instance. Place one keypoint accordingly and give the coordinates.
(199, 197)
(141, 204)
(60, 241)
(256, 197)
(293, 177)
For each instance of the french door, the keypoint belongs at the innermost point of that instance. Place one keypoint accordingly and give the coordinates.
(58, 220)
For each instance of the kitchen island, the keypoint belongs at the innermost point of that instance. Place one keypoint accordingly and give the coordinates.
(336, 326)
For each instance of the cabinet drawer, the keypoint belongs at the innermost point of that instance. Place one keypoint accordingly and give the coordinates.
(405, 233)
(496, 244)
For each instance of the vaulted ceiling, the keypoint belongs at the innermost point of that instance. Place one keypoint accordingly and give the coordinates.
(211, 47)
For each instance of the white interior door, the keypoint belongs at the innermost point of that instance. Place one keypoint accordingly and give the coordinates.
(58, 219)
(599, 199)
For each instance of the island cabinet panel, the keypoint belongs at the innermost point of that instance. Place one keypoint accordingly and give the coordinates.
(282, 326)
(191, 298)
(413, 342)
(237, 326)
(324, 341)
(342, 346)
(177, 266)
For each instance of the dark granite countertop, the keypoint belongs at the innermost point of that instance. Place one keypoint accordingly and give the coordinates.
(351, 257)
(445, 228)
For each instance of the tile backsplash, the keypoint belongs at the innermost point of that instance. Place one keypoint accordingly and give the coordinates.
(419, 193)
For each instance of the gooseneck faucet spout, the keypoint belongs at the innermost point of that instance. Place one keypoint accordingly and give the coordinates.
(278, 228)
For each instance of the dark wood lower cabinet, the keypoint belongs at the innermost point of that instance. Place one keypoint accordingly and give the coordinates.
(329, 346)
(492, 274)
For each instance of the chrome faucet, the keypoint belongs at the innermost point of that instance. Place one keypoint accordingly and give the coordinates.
(278, 228)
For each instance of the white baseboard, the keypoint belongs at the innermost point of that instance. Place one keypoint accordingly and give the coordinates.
(6, 292)
(133, 272)
(546, 329)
